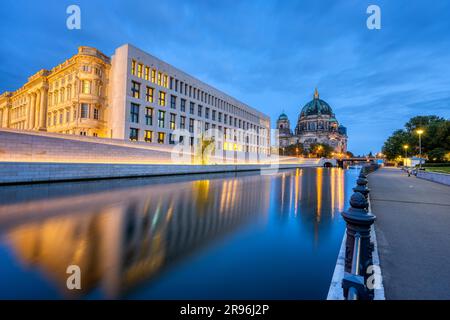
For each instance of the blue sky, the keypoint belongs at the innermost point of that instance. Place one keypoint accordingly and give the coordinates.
(268, 54)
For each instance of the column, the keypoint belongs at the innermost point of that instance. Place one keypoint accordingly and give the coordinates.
(43, 110)
(36, 110)
(30, 113)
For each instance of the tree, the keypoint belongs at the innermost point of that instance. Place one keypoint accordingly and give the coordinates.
(293, 150)
(207, 147)
(436, 155)
(436, 136)
(320, 150)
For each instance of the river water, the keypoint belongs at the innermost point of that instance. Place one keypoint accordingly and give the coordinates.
(218, 236)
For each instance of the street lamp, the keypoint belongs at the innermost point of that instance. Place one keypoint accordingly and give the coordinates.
(296, 151)
(406, 150)
(420, 132)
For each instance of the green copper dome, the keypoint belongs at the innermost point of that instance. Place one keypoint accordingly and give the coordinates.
(283, 116)
(316, 107)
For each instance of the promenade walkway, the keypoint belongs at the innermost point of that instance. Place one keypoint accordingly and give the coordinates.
(413, 233)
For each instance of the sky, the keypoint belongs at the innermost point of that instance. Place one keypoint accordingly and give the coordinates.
(268, 54)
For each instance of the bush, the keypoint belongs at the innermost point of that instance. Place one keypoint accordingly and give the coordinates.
(440, 164)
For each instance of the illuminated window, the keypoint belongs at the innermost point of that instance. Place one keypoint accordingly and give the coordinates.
(153, 75)
(86, 86)
(183, 105)
(147, 73)
(161, 137)
(161, 118)
(84, 111)
(159, 78)
(135, 89)
(149, 116)
(149, 94)
(133, 67)
(134, 113)
(148, 136)
(162, 98)
(165, 82)
(172, 121)
(134, 134)
(139, 70)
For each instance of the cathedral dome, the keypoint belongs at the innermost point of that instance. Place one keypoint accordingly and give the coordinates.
(283, 116)
(316, 107)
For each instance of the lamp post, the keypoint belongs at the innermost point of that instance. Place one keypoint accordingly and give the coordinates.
(420, 132)
(296, 151)
(406, 152)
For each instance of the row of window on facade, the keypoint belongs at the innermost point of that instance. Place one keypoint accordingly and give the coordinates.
(63, 116)
(65, 94)
(215, 116)
(135, 112)
(161, 139)
(84, 68)
(150, 74)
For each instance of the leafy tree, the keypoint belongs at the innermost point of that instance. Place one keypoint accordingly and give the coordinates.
(436, 155)
(321, 150)
(436, 136)
(293, 150)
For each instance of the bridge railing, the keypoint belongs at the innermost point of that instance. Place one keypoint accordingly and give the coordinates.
(358, 245)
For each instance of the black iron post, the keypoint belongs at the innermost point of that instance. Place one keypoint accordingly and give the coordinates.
(359, 222)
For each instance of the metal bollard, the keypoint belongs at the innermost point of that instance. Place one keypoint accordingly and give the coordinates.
(362, 187)
(359, 222)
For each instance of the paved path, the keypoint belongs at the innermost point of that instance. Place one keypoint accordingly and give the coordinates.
(413, 233)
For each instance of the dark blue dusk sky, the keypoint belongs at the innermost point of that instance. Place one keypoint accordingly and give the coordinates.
(268, 54)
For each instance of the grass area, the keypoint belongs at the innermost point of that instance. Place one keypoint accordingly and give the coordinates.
(438, 169)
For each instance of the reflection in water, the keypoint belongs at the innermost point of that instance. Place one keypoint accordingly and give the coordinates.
(125, 234)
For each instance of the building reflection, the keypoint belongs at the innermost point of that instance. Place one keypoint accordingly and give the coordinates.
(121, 239)
(310, 195)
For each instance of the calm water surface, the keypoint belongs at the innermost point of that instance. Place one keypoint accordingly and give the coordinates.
(227, 236)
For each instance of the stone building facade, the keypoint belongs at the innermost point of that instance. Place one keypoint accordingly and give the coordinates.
(316, 124)
(132, 96)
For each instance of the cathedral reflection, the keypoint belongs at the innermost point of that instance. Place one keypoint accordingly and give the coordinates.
(123, 238)
(312, 195)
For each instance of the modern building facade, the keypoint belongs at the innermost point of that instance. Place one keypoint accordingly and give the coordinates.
(132, 96)
(317, 124)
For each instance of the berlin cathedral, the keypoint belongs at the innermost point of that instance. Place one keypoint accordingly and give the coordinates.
(316, 124)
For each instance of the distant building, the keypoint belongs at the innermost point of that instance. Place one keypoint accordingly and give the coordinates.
(316, 124)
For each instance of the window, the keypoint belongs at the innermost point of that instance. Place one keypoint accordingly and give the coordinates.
(147, 73)
(149, 116)
(95, 134)
(139, 70)
(161, 116)
(135, 89)
(84, 111)
(182, 122)
(134, 134)
(162, 98)
(153, 75)
(67, 115)
(171, 83)
(183, 105)
(214, 115)
(133, 67)
(165, 83)
(172, 121)
(191, 107)
(54, 119)
(159, 78)
(171, 140)
(173, 101)
(161, 137)
(149, 94)
(191, 125)
(96, 115)
(60, 118)
(134, 113)
(199, 110)
(86, 86)
(220, 117)
(206, 126)
(148, 136)
(207, 113)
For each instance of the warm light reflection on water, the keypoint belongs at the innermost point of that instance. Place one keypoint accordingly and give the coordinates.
(216, 236)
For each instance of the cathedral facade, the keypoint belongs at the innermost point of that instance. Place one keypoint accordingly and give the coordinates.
(316, 124)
